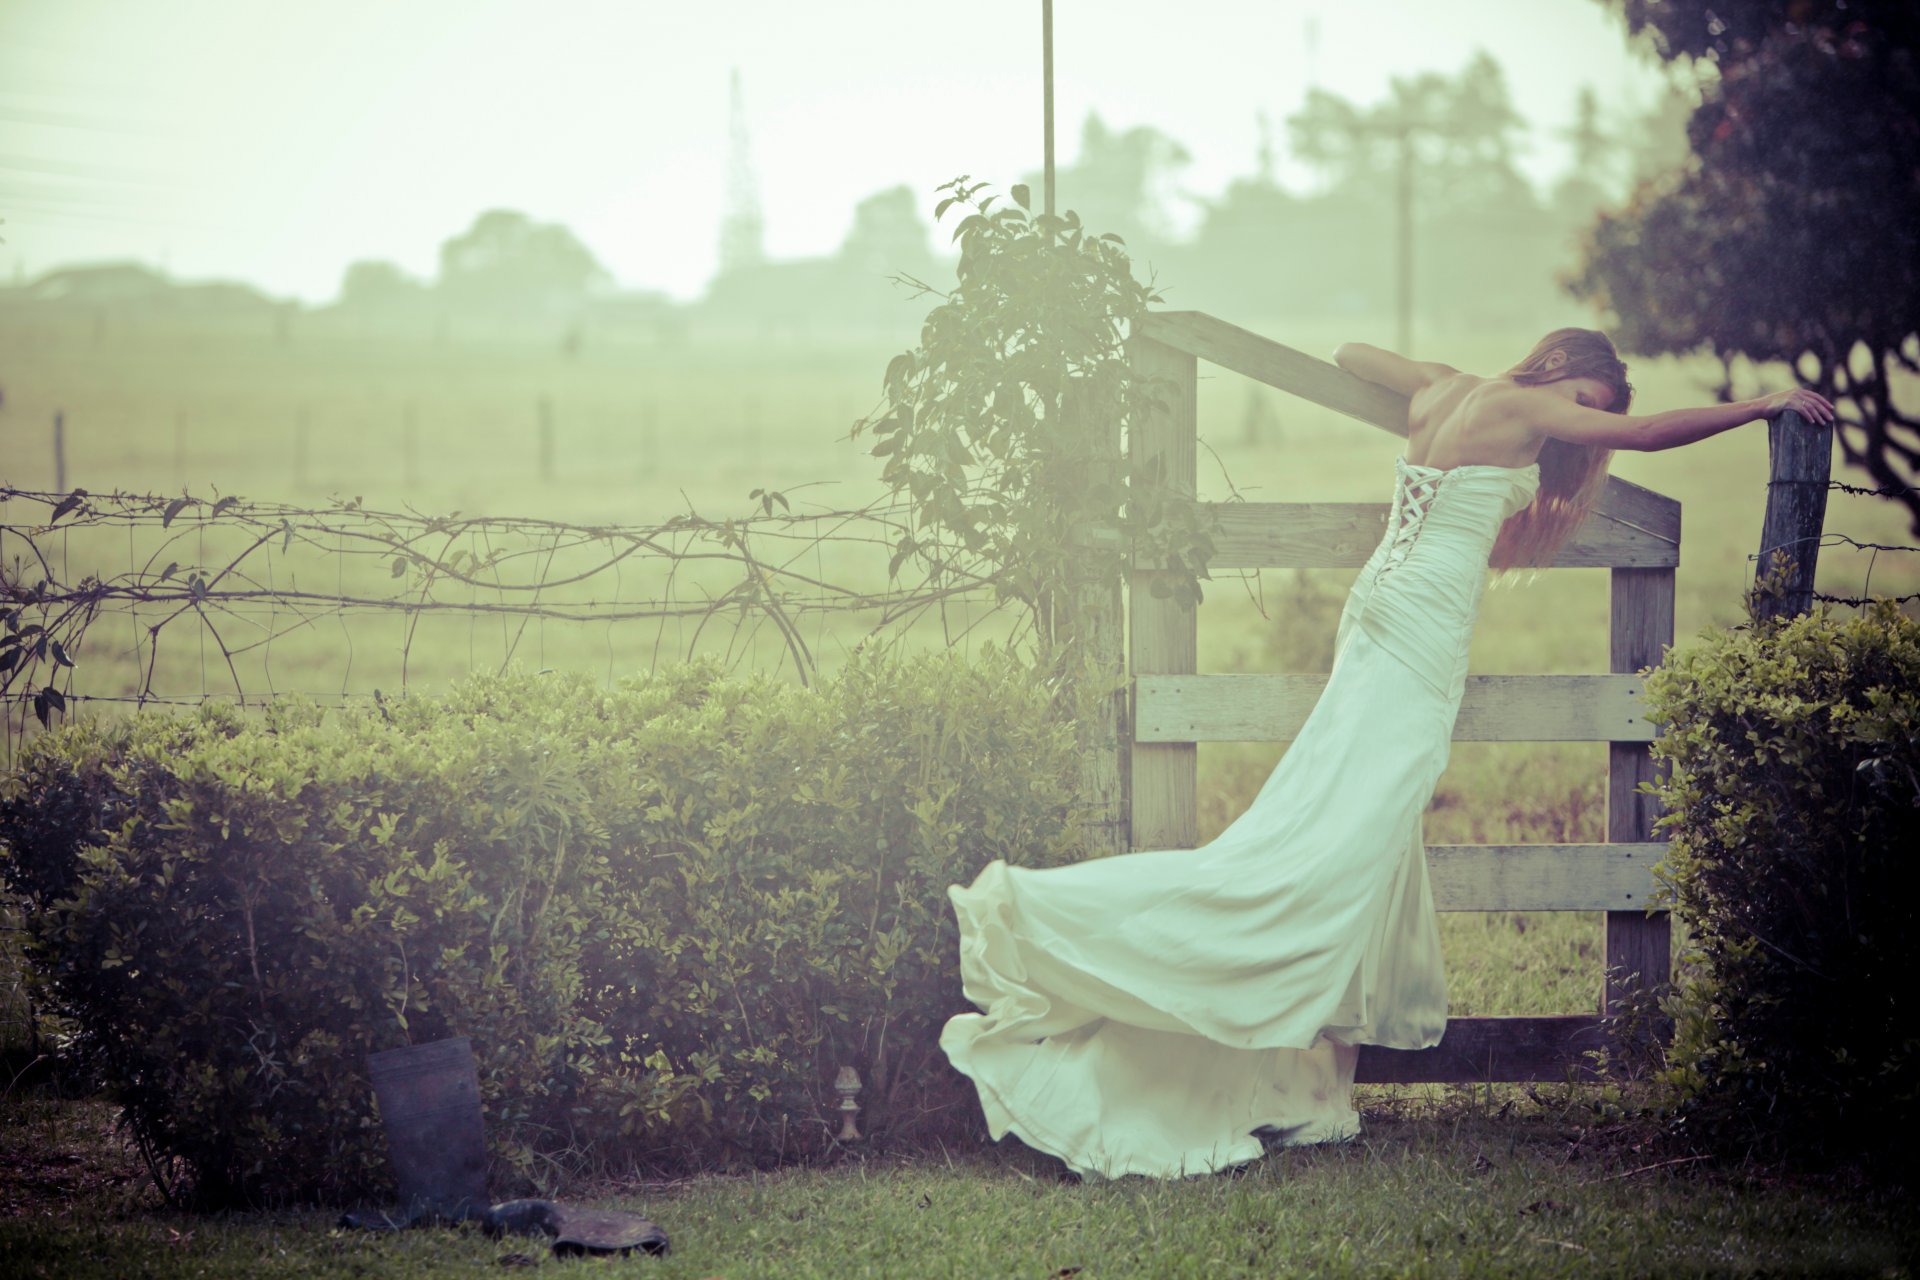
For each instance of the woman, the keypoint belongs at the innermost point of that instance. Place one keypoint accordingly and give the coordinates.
(1146, 1013)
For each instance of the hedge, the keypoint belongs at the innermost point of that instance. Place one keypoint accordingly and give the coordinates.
(1793, 803)
(667, 913)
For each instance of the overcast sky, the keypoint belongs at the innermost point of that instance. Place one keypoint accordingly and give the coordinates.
(278, 140)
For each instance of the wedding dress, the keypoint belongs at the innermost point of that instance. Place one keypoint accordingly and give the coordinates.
(1146, 1012)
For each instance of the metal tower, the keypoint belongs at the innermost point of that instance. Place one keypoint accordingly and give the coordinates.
(740, 229)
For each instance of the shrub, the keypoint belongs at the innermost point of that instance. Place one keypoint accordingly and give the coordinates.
(1793, 806)
(666, 913)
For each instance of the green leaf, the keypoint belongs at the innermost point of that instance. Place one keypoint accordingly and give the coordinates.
(399, 565)
(1022, 196)
(60, 657)
(223, 504)
(174, 508)
(66, 504)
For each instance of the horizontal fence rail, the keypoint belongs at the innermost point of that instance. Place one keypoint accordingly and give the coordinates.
(1236, 707)
(1341, 535)
(1543, 877)
(1541, 1047)
(1209, 338)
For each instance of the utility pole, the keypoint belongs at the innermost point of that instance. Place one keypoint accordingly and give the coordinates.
(1046, 77)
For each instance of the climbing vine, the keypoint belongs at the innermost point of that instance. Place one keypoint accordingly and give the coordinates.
(1005, 423)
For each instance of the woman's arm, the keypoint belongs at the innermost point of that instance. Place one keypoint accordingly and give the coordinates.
(1563, 419)
(1377, 364)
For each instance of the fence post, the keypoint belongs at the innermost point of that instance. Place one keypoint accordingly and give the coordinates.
(409, 447)
(546, 438)
(1098, 626)
(1637, 942)
(59, 451)
(1800, 459)
(300, 449)
(1163, 776)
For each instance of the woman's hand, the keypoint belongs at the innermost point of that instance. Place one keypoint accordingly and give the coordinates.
(1815, 408)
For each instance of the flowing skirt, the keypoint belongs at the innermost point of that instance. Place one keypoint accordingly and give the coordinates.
(1147, 1012)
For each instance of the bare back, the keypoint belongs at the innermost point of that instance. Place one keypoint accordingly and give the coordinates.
(1449, 425)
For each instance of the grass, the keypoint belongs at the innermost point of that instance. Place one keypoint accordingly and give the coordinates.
(1556, 1180)
(1445, 1184)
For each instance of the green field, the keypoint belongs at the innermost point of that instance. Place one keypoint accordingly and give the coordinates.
(642, 431)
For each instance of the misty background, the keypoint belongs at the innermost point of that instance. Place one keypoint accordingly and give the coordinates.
(759, 171)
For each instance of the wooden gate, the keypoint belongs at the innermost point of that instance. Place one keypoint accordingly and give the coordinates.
(1633, 532)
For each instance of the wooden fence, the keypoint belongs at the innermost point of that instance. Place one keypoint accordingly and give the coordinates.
(1633, 532)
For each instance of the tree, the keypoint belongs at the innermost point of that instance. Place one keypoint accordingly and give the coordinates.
(1458, 131)
(507, 259)
(1121, 180)
(1582, 190)
(1792, 233)
(373, 283)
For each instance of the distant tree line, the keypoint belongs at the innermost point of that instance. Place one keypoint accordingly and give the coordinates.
(1488, 246)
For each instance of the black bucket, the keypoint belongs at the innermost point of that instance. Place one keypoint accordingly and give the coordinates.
(429, 1096)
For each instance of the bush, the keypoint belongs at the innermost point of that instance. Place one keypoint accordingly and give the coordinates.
(666, 913)
(1793, 806)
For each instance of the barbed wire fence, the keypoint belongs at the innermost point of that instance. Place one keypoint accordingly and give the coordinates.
(1828, 539)
(255, 601)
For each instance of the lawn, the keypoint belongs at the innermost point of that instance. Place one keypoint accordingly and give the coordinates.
(1442, 1182)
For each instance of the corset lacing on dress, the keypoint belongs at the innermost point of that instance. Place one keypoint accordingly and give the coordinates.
(1412, 500)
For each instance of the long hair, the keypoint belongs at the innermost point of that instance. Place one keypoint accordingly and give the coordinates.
(1571, 475)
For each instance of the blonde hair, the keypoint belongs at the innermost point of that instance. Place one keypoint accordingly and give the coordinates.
(1571, 475)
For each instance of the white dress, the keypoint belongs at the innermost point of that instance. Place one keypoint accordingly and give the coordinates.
(1146, 1012)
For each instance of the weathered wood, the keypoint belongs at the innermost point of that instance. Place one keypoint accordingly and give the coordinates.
(1164, 776)
(1099, 625)
(1234, 707)
(1542, 877)
(1800, 458)
(1639, 944)
(1310, 378)
(1631, 504)
(1341, 535)
(1278, 365)
(1480, 1049)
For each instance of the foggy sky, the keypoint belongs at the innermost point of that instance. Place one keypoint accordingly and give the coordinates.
(276, 142)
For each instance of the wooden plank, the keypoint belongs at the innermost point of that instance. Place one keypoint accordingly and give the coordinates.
(1233, 707)
(1164, 637)
(1629, 503)
(1639, 948)
(1278, 365)
(1481, 1049)
(1324, 383)
(1098, 622)
(1341, 535)
(1542, 877)
(1800, 461)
